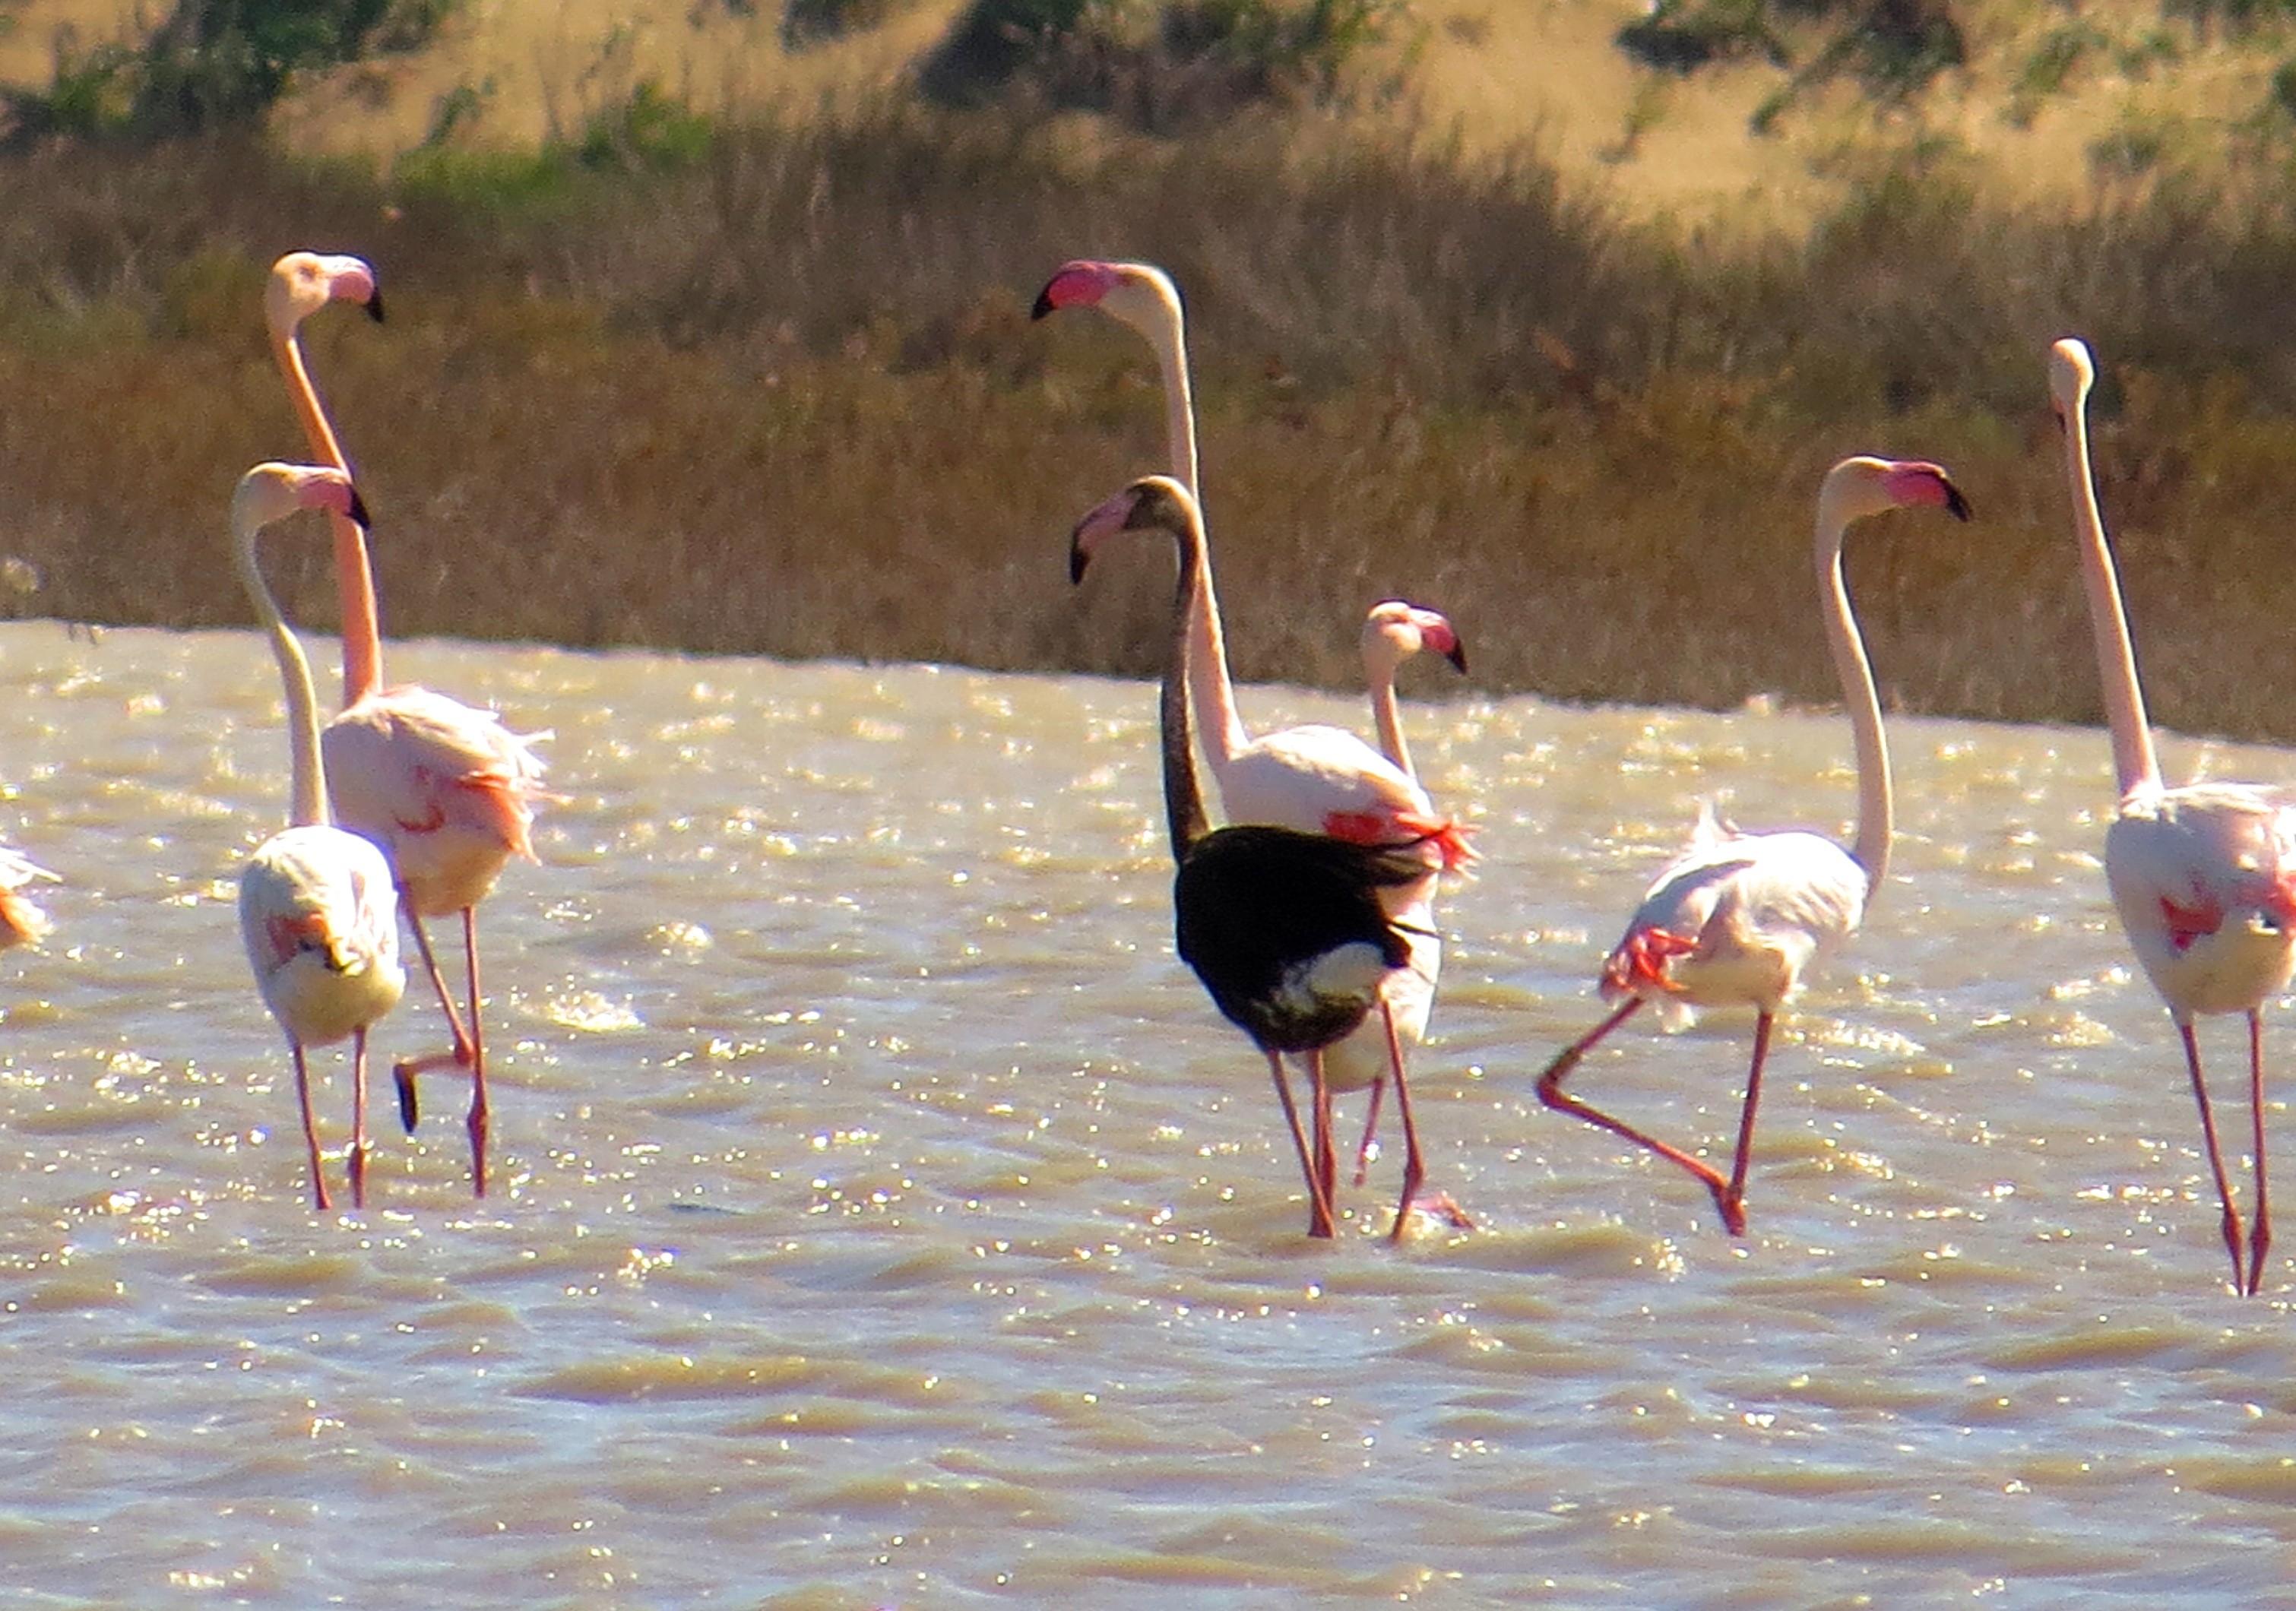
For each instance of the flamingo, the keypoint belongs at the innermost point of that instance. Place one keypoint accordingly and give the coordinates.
(1272, 919)
(21, 922)
(1738, 918)
(1311, 779)
(2203, 876)
(1394, 631)
(444, 788)
(316, 906)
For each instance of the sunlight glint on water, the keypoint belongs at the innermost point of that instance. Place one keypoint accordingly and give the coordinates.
(883, 1211)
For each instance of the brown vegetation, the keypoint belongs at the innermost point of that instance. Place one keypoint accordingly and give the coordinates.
(774, 390)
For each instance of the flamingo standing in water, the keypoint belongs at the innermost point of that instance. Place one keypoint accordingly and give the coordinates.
(1311, 779)
(21, 922)
(2204, 876)
(316, 906)
(1272, 918)
(444, 788)
(1738, 918)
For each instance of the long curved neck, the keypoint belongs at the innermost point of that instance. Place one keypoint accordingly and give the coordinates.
(2133, 763)
(309, 806)
(1210, 686)
(1184, 799)
(1379, 678)
(354, 575)
(1859, 698)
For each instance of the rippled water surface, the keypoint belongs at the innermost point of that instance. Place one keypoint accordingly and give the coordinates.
(884, 1217)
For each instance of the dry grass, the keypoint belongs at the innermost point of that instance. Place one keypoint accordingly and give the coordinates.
(784, 398)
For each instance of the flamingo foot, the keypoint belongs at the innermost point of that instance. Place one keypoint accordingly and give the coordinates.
(2232, 1236)
(2258, 1244)
(477, 1127)
(1733, 1211)
(357, 1163)
(1441, 1206)
(403, 1074)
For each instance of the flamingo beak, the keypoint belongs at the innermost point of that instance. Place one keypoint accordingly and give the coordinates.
(374, 304)
(357, 511)
(1078, 558)
(1955, 504)
(1044, 303)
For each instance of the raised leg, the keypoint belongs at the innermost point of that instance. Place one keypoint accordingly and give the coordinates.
(1319, 1202)
(359, 1118)
(1370, 1128)
(477, 1124)
(310, 1126)
(1551, 1092)
(2216, 1158)
(403, 1073)
(2259, 1236)
(1733, 1203)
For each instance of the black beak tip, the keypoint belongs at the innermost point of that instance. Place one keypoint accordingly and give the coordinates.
(375, 306)
(1458, 657)
(1955, 505)
(1042, 304)
(1077, 561)
(358, 510)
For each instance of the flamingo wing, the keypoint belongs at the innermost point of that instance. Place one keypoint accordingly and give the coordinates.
(21, 920)
(2204, 879)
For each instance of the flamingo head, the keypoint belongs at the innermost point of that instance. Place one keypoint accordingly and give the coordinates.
(1152, 503)
(1395, 631)
(273, 491)
(1140, 294)
(1864, 485)
(302, 283)
(2071, 372)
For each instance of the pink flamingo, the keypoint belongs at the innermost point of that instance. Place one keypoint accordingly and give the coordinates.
(2204, 876)
(446, 789)
(1312, 779)
(316, 908)
(21, 922)
(1738, 918)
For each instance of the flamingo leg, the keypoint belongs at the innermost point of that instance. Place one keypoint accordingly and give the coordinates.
(2216, 1158)
(1551, 1092)
(1319, 1203)
(477, 1122)
(403, 1073)
(1733, 1204)
(2260, 1233)
(1414, 1169)
(1326, 1159)
(359, 1118)
(1370, 1128)
(310, 1125)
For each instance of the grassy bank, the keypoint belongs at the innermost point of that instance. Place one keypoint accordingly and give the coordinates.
(772, 389)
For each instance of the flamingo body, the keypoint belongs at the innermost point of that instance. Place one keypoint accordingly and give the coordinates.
(2204, 879)
(320, 921)
(1743, 915)
(446, 789)
(21, 922)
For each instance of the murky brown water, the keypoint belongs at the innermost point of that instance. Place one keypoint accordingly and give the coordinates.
(889, 1220)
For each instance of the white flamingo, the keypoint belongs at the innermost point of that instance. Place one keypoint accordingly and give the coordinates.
(445, 788)
(2204, 876)
(1738, 918)
(316, 908)
(21, 922)
(1313, 779)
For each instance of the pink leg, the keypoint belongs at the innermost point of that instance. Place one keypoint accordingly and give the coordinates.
(1319, 1203)
(1551, 1092)
(1327, 1168)
(310, 1126)
(477, 1122)
(1414, 1170)
(1733, 1204)
(2260, 1234)
(2216, 1158)
(403, 1073)
(1370, 1128)
(359, 1118)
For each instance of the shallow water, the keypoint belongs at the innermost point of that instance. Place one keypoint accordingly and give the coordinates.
(884, 1217)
